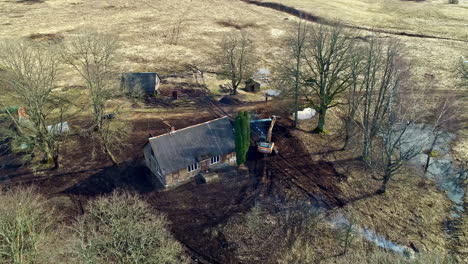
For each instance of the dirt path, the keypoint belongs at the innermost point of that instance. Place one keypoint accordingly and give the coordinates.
(313, 18)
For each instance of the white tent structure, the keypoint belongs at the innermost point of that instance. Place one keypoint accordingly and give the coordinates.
(305, 114)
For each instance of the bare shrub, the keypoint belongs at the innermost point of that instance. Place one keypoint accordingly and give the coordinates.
(462, 69)
(111, 139)
(121, 228)
(27, 227)
(262, 236)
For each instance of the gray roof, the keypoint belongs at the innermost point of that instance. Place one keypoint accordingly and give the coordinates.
(181, 148)
(147, 80)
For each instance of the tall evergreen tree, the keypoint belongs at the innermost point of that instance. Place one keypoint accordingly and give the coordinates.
(242, 136)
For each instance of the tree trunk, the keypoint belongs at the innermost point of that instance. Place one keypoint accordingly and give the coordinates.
(365, 147)
(321, 123)
(56, 163)
(386, 179)
(347, 132)
(296, 99)
(296, 92)
(111, 156)
(428, 160)
(51, 158)
(234, 88)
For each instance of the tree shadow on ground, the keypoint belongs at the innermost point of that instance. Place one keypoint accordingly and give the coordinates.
(130, 175)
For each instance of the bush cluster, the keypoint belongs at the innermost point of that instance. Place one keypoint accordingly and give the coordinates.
(119, 228)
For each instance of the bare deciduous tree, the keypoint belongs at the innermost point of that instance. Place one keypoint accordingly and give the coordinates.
(262, 230)
(354, 95)
(443, 114)
(383, 73)
(397, 147)
(236, 60)
(93, 56)
(30, 74)
(328, 75)
(289, 71)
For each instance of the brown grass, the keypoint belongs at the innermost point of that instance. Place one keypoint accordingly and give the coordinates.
(144, 27)
(437, 17)
(412, 210)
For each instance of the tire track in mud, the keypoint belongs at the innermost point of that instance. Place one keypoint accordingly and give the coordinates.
(313, 18)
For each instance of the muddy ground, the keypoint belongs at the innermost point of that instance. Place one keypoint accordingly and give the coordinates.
(193, 209)
(197, 211)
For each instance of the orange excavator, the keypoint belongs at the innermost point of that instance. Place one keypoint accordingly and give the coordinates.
(268, 147)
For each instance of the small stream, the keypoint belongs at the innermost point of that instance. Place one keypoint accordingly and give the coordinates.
(442, 169)
(341, 222)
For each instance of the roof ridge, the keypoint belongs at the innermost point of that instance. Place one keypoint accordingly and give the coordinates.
(192, 126)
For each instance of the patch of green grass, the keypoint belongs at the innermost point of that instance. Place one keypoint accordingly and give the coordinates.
(434, 154)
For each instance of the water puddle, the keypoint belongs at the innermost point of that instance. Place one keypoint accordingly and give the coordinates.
(442, 167)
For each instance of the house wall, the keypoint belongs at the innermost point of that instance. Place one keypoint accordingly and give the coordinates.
(183, 174)
(153, 165)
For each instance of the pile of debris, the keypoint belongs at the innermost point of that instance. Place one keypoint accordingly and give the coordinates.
(228, 100)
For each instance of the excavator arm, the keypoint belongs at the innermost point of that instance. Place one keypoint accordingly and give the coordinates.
(270, 130)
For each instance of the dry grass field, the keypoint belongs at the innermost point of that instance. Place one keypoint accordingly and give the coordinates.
(430, 58)
(146, 30)
(426, 17)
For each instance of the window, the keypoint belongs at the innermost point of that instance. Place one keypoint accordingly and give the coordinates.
(214, 159)
(193, 167)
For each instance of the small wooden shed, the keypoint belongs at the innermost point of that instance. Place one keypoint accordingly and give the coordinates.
(252, 86)
(147, 81)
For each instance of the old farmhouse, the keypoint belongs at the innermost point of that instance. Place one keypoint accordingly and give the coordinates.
(181, 154)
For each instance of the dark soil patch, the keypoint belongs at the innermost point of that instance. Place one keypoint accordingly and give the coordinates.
(317, 179)
(228, 100)
(184, 89)
(197, 210)
(30, 2)
(236, 25)
(53, 38)
(132, 176)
